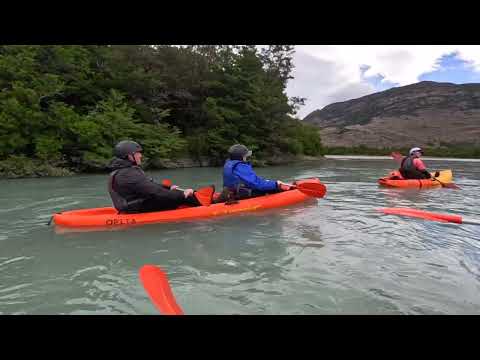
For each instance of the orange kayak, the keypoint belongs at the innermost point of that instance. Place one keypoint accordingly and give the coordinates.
(109, 217)
(396, 180)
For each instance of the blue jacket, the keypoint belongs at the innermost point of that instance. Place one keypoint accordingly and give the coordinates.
(236, 172)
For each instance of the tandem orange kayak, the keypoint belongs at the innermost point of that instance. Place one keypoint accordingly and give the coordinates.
(396, 180)
(109, 216)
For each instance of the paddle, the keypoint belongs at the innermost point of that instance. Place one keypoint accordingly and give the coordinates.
(398, 158)
(312, 189)
(203, 195)
(429, 215)
(156, 284)
(449, 186)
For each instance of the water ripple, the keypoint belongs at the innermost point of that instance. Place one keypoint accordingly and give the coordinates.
(337, 255)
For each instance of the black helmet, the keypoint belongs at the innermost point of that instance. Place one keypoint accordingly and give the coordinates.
(239, 151)
(125, 148)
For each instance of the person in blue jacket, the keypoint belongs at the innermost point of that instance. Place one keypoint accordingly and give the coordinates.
(240, 181)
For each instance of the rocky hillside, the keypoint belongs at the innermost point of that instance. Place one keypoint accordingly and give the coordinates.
(428, 113)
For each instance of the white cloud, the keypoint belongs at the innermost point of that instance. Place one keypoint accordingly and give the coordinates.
(323, 82)
(471, 54)
(331, 73)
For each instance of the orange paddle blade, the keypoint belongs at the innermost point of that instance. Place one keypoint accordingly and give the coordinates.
(156, 284)
(205, 195)
(313, 189)
(397, 156)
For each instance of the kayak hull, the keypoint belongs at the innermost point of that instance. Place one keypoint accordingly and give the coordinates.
(110, 218)
(445, 177)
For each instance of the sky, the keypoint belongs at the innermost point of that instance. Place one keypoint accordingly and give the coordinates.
(325, 74)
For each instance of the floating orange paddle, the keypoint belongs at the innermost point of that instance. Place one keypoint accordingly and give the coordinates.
(429, 215)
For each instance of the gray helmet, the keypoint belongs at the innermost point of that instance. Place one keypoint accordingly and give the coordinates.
(125, 148)
(239, 150)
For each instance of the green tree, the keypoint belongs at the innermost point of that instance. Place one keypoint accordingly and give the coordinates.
(67, 105)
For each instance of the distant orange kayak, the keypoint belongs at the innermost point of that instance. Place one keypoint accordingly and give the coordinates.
(109, 217)
(392, 180)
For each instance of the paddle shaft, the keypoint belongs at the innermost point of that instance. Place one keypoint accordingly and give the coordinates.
(169, 184)
(470, 221)
(449, 186)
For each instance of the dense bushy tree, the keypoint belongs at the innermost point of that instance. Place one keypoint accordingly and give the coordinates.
(69, 104)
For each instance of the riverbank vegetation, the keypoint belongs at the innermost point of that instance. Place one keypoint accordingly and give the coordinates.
(63, 107)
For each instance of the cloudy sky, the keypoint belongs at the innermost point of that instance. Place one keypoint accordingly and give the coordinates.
(329, 73)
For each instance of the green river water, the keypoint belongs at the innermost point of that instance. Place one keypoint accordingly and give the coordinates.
(336, 255)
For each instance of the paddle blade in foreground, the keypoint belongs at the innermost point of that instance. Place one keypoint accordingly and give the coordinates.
(156, 284)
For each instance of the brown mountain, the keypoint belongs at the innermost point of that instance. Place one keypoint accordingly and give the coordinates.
(427, 114)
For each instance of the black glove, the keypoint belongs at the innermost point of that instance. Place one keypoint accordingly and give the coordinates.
(427, 174)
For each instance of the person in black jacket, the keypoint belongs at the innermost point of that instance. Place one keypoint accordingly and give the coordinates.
(132, 192)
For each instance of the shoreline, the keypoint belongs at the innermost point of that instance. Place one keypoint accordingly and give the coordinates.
(164, 164)
(184, 163)
(378, 157)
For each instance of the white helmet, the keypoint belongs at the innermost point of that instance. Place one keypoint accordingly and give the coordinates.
(414, 150)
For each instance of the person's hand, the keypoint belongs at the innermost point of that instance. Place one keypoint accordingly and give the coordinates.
(282, 186)
(173, 187)
(188, 192)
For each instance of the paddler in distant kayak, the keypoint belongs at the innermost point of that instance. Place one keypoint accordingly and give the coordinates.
(412, 167)
(133, 192)
(241, 182)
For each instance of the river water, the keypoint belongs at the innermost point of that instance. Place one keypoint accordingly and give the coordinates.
(337, 255)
